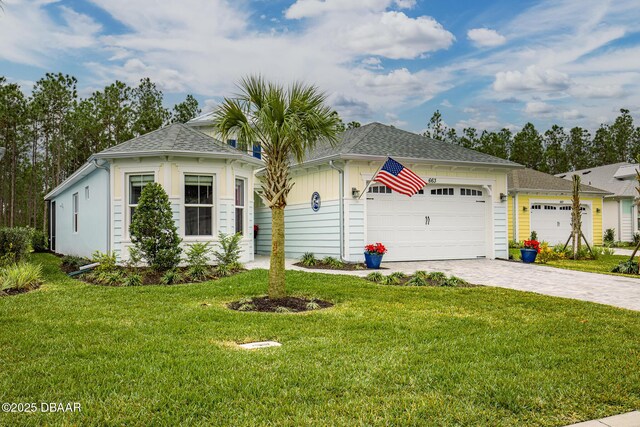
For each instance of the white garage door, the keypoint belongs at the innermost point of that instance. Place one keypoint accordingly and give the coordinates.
(444, 222)
(552, 222)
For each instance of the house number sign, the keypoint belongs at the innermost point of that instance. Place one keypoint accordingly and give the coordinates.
(315, 201)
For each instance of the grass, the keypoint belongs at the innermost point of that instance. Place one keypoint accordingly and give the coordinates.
(603, 264)
(154, 355)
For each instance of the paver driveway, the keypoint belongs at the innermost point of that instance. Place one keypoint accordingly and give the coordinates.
(601, 288)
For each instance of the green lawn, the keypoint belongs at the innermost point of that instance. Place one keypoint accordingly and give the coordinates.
(383, 355)
(604, 264)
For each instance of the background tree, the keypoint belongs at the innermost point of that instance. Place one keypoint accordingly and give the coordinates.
(602, 147)
(186, 110)
(556, 159)
(436, 129)
(578, 149)
(286, 123)
(153, 231)
(527, 147)
(469, 138)
(150, 114)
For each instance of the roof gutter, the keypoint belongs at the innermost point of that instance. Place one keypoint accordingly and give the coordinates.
(108, 171)
(340, 206)
(225, 156)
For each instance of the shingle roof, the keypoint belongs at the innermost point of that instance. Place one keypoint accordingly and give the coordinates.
(533, 180)
(378, 140)
(604, 177)
(174, 139)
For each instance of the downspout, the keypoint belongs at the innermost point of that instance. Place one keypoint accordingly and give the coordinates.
(95, 163)
(340, 206)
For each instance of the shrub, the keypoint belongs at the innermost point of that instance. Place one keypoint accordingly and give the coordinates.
(283, 310)
(607, 251)
(547, 254)
(170, 277)
(39, 241)
(223, 270)
(533, 235)
(421, 274)
(198, 261)
(246, 307)
(133, 279)
(15, 243)
(332, 262)
(437, 278)
(312, 305)
(375, 277)
(153, 230)
(71, 262)
(454, 281)
(636, 238)
(399, 274)
(609, 236)
(229, 249)
(417, 281)
(109, 277)
(514, 244)
(626, 267)
(21, 277)
(107, 262)
(308, 259)
(135, 257)
(391, 280)
(561, 250)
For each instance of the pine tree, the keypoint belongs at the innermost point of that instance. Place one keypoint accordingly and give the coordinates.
(186, 110)
(578, 149)
(149, 112)
(527, 148)
(555, 155)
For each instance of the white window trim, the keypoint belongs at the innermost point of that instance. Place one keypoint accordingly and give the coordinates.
(126, 205)
(75, 210)
(244, 207)
(213, 206)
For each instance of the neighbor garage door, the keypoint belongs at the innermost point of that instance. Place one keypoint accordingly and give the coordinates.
(447, 222)
(552, 222)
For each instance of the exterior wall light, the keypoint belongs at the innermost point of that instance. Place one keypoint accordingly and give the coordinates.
(524, 209)
(503, 197)
(355, 193)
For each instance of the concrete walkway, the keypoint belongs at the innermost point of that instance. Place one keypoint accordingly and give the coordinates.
(600, 288)
(622, 251)
(630, 419)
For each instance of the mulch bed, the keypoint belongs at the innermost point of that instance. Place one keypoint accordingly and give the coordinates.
(265, 304)
(348, 266)
(11, 292)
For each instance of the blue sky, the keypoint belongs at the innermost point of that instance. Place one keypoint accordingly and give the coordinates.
(487, 64)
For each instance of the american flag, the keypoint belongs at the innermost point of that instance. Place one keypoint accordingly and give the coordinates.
(398, 178)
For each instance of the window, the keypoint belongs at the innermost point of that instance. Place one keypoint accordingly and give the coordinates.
(232, 142)
(75, 212)
(470, 192)
(198, 205)
(536, 207)
(442, 191)
(565, 208)
(86, 192)
(549, 208)
(380, 189)
(136, 183)
(240, 205)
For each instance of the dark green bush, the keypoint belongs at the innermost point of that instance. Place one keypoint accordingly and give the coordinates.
(15, 243)
(198, 261)
(39, 241)
(609, 237)
(229, 253)
(626, 267)
(153, 230)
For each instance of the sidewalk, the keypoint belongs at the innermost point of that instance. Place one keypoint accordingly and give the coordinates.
(630, 419)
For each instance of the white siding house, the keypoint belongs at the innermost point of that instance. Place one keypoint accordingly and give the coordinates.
(209, 184)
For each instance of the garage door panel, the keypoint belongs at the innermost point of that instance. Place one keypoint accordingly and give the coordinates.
(427, 227)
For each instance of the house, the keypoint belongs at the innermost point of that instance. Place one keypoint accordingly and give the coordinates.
(543, 203)
(620, 210)
(210, 187)
(460, 214)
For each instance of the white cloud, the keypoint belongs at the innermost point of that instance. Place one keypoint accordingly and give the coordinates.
(533, 78)
(30, 36)
(312, 8)
(397, 36)
(485, 37)
(405, 4)
(538, 108)
(446, 103)
(572, 114)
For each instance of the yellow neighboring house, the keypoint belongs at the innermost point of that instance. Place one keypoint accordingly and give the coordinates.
(542, 203)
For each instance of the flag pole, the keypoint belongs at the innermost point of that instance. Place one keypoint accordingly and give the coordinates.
(366, 188)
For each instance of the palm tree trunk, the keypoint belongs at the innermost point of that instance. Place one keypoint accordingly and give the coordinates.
(277, 268)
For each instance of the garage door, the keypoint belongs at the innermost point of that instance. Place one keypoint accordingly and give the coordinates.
(552, 222)
(438, 223)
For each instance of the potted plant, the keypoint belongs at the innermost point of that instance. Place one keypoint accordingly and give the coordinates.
(530, 251)
(373, 255)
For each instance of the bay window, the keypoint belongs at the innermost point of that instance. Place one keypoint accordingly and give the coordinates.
(198, 202)
(240, 205)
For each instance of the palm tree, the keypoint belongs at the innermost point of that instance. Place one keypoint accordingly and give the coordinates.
(286, 123)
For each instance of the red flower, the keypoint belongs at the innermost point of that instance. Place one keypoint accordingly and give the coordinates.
(532, 244)
(378, 249)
